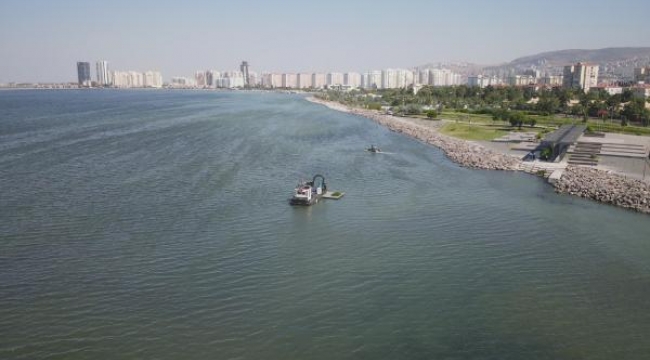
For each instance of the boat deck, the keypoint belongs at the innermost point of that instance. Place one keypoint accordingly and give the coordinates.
(335, 195)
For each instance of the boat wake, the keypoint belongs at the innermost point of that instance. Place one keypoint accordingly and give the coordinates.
(381, 152)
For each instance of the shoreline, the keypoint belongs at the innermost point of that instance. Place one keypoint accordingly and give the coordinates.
(462, 152)
(589, 183)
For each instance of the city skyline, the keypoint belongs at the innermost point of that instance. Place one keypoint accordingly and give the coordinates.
(177, 38)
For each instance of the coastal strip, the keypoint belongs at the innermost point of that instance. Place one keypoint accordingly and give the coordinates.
(463, 152)
(590, 183)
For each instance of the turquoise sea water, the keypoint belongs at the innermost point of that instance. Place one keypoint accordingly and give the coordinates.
(155, 225)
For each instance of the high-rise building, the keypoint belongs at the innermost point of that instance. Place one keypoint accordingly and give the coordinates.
(276, 80)
(83, 74)
(200, 78)
(231, 79)
(422, 76)
(318, 80)
(388, 79)
(443, 77)
(289, 81)
(267, 80)
(522, 80)
(244, 69)
(483, 80)
(253, 79)
(642, 74)
(152, 79)
(334, 78)
(371, 80)
(136, 79)
(209, 78)
(304, 81)
(552, 80)
(581, 75)
(403, 78)
(352, 79)
(182, 82)
(103, 76)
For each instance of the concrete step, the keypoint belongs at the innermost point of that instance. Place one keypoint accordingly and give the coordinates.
(626, 155)
(626, 146)
(624, 151)
(630, 148)
(586, 149)
(582, 163)
(585, 155)
(583, 160)
(588, 143)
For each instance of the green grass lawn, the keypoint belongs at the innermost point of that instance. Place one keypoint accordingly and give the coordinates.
(487, 119)
(472, 132)
(474, 118)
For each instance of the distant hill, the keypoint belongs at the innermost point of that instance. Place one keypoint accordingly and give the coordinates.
(614, 62)
(600, 56)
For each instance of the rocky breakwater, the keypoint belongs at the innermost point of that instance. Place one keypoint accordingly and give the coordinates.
(465, 153)
(605, 187)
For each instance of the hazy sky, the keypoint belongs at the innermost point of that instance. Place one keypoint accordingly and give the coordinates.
(41, 40)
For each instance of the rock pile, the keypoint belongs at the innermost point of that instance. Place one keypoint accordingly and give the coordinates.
(605, 187)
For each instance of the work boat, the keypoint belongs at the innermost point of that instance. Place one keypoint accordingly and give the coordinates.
(373, 149)
(309, 192)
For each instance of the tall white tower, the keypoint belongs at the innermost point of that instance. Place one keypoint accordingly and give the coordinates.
(103, 76)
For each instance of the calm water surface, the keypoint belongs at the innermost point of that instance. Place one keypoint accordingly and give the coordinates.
(155, 225)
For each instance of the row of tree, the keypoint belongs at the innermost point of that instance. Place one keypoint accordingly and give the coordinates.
(624, 107)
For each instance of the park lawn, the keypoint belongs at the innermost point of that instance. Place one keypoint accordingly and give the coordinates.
(617, 128)
(474, 118)
(471, 132)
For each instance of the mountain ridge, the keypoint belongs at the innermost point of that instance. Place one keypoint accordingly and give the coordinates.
(567, 56)
(613, 61)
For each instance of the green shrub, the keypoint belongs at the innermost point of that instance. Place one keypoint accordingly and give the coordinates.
(374, 106)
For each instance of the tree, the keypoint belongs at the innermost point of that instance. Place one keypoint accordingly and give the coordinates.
(515, 94)
(614, 100)
(413, 109)
(548, 103)
(517, 118)
(585, 101)
(627, 95)
(602, 113)
(635, 110)
(529, 93)
(546, 153)
(577, 109)
(432, 114)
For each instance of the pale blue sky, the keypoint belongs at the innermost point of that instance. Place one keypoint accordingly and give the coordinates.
(41, 40)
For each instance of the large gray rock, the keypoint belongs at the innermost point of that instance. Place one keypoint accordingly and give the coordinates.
(605, 187)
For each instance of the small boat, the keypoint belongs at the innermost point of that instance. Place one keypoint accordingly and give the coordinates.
(373, 149)
(308, 192)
